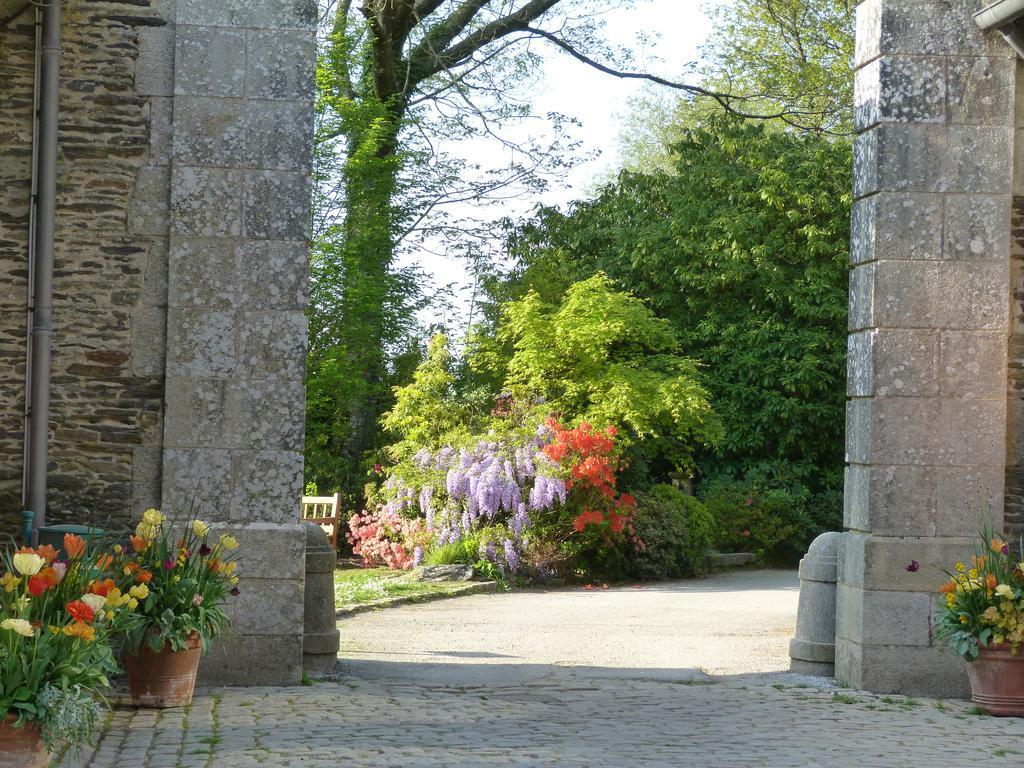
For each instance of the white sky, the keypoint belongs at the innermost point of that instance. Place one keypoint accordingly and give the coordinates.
(674, 31)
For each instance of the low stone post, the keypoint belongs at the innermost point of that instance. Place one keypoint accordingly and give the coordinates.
(321, 639)
(813, 650)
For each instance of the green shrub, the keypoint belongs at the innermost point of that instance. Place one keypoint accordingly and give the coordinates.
(774, 524)
(673, 534)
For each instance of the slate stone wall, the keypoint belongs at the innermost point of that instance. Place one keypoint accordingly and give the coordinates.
(110, 275)
(929, 322)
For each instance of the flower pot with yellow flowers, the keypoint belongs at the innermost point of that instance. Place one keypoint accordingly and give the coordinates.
(56, 631)
(982, 620)
(180, 577)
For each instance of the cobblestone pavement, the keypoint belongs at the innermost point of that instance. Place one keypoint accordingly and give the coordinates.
(420, 710)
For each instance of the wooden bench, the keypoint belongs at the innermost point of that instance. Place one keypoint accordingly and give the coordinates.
(325, 512)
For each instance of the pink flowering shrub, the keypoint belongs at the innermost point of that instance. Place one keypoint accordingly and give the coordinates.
(386, 538)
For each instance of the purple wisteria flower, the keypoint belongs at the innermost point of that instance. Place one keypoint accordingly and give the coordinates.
(511, 556)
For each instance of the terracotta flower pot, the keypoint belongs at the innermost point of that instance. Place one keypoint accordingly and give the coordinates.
(997, 680)
(165, 678)
(21, 746)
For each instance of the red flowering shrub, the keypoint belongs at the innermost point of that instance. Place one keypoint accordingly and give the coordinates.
(592, 461)
(383, 538)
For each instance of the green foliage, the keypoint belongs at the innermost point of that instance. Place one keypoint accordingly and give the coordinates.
(427, 412)
(602, 356)
(794, 56)
(743, 251)
(672, 535)
(772, 523)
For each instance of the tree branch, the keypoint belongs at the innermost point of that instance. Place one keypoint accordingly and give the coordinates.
(725, 100)
(430, 62)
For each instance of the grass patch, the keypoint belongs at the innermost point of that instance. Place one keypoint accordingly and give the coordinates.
(357, 586)
(977, 711)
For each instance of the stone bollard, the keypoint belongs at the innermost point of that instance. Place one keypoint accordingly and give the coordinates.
(813, 650)
(321, 639)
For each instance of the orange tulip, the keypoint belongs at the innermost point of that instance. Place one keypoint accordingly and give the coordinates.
(48, 552)
(104, 561)
(102, 588)
(139, 544)
(74, 546)
(991, 581)
(144, 577)
(948, 587)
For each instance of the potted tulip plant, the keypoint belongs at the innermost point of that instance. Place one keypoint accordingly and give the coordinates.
(982, 619)
(182, 577)
(57, 621)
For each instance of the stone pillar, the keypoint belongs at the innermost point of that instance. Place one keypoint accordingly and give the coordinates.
(239, 178)
(929, 297)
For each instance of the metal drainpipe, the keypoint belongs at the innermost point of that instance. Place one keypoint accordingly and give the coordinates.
(42, 313)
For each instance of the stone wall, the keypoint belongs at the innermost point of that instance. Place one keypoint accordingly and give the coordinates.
(929, 321)
(109, 279)
(180, 285)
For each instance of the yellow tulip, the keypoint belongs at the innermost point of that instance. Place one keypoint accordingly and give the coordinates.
(200, 529)
(228, 542)
(27, 565)
(1004, 590)
(152, 517)
(9, 582)
(132, 603)
(96, 602)
(141, 591)
(20, 626)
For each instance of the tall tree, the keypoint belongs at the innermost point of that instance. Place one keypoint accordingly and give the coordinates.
(396, 77)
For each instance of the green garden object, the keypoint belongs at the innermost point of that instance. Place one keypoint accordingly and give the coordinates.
(54, 536)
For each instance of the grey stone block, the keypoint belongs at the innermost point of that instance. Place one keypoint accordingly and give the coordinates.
(909, 670)
(272, 345)
(981, 90)
(973, 364)
(268, 486)
(273, 274)
(976, 227)
(249, 660)
(154, 66)
(161, 129)
(268, 548)
(282, 64)
(979, 159)
(202, 273)
(922, 27)
(279, 135)
(146, 478)
(249, 611)
(926, 431)
(898, 226)
(148, 337)
(206, 202)
(920, 500)
(202, 474)
(277, 205)
(209, 61)
(933, 158)
(148, 212)
(154, 279)
(258, 14)
(268, 415)
(900, 90)
(953, 295)
(201, 343)
(883, 618)
(210, 131)
(862, 296)
(893, 363)
(879, 563)
(197, 413)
